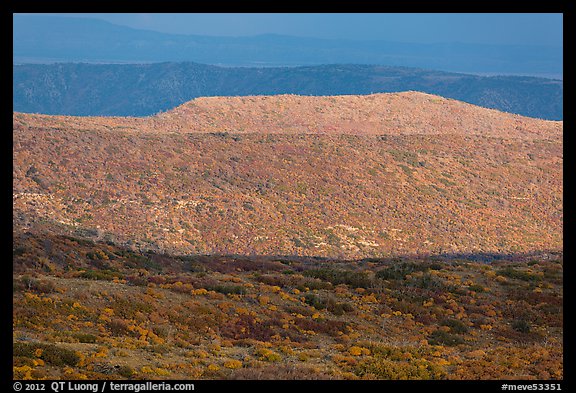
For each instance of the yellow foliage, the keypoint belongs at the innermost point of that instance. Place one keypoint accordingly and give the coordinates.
(355, 351)
(233, 364)
(263, 299)
(23, 372)
(268, 355)
(102, 353)
(31, 296)
(286, 296)
(38, 352)
(442, 362)
(213, 367)
(369, 299)
(161, 372)
(242, 310)
(38, 362)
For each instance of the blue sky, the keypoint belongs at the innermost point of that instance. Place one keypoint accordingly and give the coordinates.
(536, 29)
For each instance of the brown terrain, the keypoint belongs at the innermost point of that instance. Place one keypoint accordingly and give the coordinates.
(351, 176)
(392, 236)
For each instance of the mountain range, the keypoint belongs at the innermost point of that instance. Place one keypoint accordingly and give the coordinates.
(45, 38)
(146, 89)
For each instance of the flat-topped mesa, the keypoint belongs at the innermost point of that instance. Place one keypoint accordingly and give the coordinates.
(346, 176)
(408, 113)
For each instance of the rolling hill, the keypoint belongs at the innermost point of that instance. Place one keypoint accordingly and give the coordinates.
(344, 176)
(387, 236)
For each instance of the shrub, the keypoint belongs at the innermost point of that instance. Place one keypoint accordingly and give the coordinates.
(118, 327)
(455, 325)
(50, 353)
(399, 271)
(85, 338)
(349, 277)
(279, 372)
(32, 284)
(477, 288)
(245, 327)
(315, 301)
(228, 289)
(233, 364)
(126, 371)
(335, 307)
(440, 337)
(521, 325)
(267, 355)
(106, 275)
(510, 272)
(330, 327)
(339, 308)
(386, 369)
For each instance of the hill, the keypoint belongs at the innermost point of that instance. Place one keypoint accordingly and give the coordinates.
(389, 236)
(328, 176)
(145, 89)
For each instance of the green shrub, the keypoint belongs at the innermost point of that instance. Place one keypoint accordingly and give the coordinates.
(125, 371)
(521, 326)
(228, 289)
(315, 301)
(105, 275)
(476, 288)
(399, 271)
(51, 353)
(387, 369)
(440, 337)
(456, 326)
(510, 272)
(85, 338)
(349, 277)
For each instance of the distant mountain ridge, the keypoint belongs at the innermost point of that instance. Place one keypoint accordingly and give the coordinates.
(44, 38)
(145, 89)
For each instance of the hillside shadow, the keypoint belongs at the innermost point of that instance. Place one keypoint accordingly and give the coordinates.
(67, 252)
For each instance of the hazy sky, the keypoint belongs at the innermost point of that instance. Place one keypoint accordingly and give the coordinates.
(422, 28)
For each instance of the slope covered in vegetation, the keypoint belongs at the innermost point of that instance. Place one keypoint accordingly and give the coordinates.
(393, 236)
(331, 176)
(97, 311)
